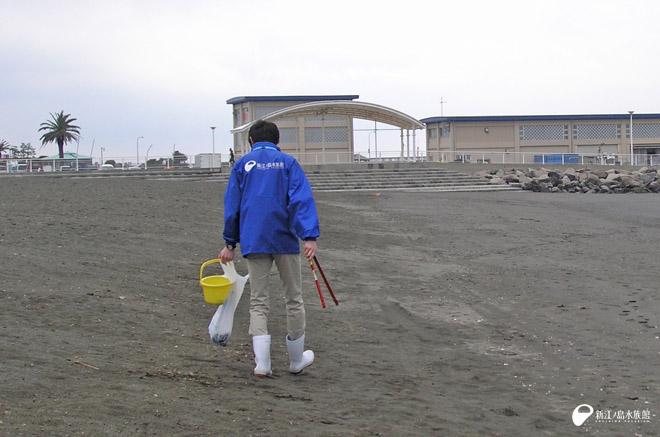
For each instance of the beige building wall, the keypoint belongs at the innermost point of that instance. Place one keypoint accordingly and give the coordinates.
(485, 139)
(311, 140)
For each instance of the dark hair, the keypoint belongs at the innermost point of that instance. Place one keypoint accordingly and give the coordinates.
(264, 131)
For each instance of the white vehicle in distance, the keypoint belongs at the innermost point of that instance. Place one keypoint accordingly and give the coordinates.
(107, 167)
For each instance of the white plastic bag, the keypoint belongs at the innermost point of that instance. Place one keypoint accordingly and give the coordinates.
(223, 319)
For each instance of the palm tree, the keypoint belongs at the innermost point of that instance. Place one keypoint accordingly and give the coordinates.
(59, 130)
(4, 145)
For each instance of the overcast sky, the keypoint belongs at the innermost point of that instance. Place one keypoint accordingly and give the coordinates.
(165, 69)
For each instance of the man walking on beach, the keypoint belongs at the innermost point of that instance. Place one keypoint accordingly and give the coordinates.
(269, 207)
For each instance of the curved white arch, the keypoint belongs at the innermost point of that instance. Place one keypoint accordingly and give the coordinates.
(364, 110)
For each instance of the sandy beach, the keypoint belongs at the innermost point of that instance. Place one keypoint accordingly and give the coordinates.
(460, 314)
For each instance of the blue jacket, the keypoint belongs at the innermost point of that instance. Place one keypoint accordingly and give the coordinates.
(269, 203)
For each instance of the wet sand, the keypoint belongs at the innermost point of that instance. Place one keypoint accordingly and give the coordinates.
(460, 314)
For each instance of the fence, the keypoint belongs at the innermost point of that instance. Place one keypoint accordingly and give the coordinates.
(25, 165)
(535, 158)
(333, 157)
(481, 157)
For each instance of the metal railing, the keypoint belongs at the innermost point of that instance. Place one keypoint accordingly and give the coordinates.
(28, 165)
(22, 165)
(536, 158)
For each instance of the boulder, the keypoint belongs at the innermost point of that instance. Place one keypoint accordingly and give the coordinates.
(647, 178)
(613, 177)
(593, 178)
(542, 177)
(630, 182)
(554, 175)
(584, 180)
(511, 178)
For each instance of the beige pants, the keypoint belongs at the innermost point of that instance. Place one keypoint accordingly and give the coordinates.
(259, 266)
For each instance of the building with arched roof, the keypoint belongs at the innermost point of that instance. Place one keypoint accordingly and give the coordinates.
(316, 129)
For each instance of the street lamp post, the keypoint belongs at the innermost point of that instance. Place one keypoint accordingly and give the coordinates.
(632, 156)
(369, 148)
(102, 150)
(146, 160)
(137, 146)
(77, 149)
(213, 154)
(376, 139)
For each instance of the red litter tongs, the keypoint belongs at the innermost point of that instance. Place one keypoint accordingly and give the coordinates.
(318, 286)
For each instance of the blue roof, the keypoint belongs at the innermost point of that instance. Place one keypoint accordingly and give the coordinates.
(493, 118)
(244, 99)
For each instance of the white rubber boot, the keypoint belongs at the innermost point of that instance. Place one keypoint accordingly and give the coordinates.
(299, 359)
(261, 347)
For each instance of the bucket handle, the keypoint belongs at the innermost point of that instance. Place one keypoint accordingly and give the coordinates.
(213, 261)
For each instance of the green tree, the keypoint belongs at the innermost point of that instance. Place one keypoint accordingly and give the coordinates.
(60, 130)
(26, 151)
(4, 146)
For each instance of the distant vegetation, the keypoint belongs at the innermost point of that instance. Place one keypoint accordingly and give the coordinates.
(60, 130)
(25, 150)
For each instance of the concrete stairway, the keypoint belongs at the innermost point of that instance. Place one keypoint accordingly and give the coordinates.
(413, 179)
(357, 178)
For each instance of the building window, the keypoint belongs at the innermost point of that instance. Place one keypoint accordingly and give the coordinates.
(289, 135)
(644, 130)
(312, 135)
(332, 135)
(433, 133)
(596, 131)
(336, 135)
(444, 133)
(262, 111)
(543, 132)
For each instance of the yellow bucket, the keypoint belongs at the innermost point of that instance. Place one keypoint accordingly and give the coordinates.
(216, 288)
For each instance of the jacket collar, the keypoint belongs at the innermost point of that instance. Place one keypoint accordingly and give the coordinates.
(265, 145)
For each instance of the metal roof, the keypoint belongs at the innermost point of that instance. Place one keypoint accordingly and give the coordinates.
(364, 110)
(494, 118)
(244, 99)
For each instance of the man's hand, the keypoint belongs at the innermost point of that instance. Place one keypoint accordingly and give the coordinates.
(226, 255)
(309, 249)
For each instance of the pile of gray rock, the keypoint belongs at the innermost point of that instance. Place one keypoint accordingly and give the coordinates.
(584, 180)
